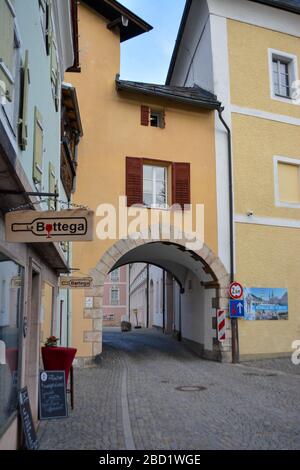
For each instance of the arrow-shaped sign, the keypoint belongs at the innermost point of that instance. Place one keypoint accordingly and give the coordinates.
(236, 308)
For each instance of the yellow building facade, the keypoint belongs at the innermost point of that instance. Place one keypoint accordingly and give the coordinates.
(251, 52)
(179, 133)
(266, 180)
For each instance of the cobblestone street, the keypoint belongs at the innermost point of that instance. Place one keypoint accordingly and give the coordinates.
(133, 400)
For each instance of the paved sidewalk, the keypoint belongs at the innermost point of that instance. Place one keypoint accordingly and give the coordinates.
(133, 400)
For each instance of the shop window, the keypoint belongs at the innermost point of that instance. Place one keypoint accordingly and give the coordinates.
(11, 307)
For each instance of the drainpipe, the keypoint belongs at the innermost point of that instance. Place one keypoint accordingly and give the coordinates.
(129, 266)
(164, 301)
(147, 306)
(234, 321)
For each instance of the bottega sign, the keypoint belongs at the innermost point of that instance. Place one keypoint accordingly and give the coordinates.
(49, 226)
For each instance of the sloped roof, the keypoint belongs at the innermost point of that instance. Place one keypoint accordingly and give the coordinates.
(113, 11)
(194, 96)
(288, 5)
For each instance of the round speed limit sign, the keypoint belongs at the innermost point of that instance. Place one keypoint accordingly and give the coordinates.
(236, 290)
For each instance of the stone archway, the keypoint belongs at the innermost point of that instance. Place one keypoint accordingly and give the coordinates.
(110, 259)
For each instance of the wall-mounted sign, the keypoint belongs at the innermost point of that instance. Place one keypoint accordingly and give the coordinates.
(266, 303)
(236, 308)
(89, 302)
(236, 290)
(49, 226)
(16, 281)
(67, 282)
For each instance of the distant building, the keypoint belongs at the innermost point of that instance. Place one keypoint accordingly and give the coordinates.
(115, 298)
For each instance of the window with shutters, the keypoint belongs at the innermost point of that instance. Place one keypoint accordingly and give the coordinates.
(7, 43)
(54, 72)
(38, 147)
(24, 103)
(10, 62)
(49, 26)
(181, 190)
(52, 186)
(43, 15)
(147, 183)
(155, 186)
(152, 117)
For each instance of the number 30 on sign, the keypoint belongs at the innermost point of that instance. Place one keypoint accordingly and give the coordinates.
(236, 290)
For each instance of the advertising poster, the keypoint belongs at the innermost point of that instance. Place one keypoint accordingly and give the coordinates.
(266, 303)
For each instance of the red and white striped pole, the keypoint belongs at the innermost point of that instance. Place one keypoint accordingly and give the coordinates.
(221, 325)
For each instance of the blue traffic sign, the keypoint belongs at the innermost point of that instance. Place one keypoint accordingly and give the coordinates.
(236, 308)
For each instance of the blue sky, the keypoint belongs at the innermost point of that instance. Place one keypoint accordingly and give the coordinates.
(146, 58)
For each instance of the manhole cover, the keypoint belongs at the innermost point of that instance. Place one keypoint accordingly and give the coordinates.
(191, 388)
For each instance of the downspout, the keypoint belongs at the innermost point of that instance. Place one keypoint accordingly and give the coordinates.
(129, 286)
(234, 321)
(147, 306)
(164, 301)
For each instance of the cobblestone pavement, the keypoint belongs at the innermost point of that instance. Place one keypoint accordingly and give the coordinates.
(132, 401)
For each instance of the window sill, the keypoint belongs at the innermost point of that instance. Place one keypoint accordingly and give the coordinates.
(284, 99)
(162, 208)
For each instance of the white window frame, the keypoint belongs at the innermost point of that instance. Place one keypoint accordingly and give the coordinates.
(291, 161)
(292, 61)
(117, 278)
(110, 295)
(160, 117)
(153, 205)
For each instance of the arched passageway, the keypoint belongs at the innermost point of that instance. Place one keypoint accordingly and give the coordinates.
(202, 284)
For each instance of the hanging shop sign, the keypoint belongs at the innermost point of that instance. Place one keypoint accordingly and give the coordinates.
(49, 226)
(67, 282)
(266, 303)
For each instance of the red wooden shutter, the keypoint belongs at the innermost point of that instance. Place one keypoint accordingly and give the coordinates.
(145, 114)
(134, 181)
(181, 187)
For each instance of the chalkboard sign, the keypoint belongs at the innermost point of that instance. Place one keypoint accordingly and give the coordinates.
(27, 422)
(53, 395)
